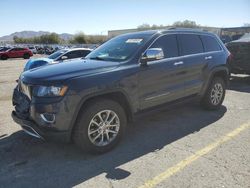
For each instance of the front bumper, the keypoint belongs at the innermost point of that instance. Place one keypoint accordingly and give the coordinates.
(28, 113)
(32, 129)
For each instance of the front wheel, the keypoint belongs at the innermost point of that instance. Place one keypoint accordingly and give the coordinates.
(214, 95)
(26, 56)
(100, 126)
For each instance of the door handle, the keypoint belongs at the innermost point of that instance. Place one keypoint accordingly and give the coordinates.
(178, 63)
(208, 57)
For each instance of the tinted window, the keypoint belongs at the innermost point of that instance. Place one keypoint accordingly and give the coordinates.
(210, 43)
(168, 43)
(17, 49)
(14, 49)
(190, 44)
(57, 54)
(73, 54)
(83, 53)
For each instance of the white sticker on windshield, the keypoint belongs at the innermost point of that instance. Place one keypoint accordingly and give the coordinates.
(134, 41)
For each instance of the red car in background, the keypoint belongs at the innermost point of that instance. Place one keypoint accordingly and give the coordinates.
(15, 53)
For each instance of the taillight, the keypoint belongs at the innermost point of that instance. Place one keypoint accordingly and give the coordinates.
(230, 58)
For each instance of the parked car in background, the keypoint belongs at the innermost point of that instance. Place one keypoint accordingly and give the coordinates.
(33, 49)
(90, 100)
(2, 49)
(16, 53)
(40, 50)
(240, 55)
(58, 57)
(49, 50)
(225, 38)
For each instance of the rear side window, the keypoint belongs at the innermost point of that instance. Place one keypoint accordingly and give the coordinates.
(210, 43)
(19, 49)
(190, 44)
(168, 43)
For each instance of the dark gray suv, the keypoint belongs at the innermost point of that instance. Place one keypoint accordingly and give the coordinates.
(91, 100)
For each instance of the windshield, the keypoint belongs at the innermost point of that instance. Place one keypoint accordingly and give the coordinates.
(57, 54)
(120, 48)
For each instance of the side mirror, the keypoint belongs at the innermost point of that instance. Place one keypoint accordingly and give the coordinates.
(64, 57)
(152, 54)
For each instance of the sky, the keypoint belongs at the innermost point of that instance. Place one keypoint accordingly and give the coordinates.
(99, 16)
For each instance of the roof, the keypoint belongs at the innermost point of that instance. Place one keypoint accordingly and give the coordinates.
(189, 30)
(73, 49)
(170, 30)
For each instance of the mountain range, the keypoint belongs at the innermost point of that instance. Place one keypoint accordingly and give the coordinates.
(30, 34)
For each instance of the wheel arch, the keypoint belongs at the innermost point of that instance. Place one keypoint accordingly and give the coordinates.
(221, 72)
(4, 55)
(117, 95)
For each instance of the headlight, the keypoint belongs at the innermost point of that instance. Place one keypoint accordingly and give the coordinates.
(49, 91)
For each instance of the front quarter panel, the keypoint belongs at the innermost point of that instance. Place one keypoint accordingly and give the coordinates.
(121, 79)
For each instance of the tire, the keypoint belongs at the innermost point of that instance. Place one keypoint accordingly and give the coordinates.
(82, 135)
(4, 57)
(214, 95)
(26, 56)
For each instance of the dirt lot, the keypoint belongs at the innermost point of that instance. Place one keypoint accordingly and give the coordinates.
(181, 146)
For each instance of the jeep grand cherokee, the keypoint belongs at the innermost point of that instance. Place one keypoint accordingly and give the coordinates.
(90, 101)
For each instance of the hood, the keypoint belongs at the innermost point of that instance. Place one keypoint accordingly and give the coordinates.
(41, 59)
(57, 73)
(34, 63)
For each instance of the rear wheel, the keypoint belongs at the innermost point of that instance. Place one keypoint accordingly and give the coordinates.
(100, 126)
(4, 57)
(214, 95)
(26, 56)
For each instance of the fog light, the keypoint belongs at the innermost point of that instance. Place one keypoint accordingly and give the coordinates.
(48, 118)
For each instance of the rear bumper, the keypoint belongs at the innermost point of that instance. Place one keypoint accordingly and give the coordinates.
(239, 71)
(239, 67)
(32, 129)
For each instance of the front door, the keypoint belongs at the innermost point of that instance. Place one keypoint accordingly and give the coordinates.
(162, 80)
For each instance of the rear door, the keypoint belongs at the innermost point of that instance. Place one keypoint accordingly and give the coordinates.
(162, 80)
(21, 52)
(213, 51)
(192, 52)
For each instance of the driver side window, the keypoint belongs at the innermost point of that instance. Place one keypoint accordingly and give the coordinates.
(72, 55)
(168, 43)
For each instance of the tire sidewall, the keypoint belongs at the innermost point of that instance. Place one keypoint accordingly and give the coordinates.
(4, 57)
(81, 130)
(207, 102)
(26, 56)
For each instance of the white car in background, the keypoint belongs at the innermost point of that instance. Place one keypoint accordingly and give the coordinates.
(33, 49)
(59, 56)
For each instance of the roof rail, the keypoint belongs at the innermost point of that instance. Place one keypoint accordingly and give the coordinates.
(185, 28)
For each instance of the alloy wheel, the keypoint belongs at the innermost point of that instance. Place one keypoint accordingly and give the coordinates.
(216, 94)
(103, 128)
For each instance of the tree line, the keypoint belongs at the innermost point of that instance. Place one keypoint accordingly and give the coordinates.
(183, 24)
(53, 38)
(81, 38)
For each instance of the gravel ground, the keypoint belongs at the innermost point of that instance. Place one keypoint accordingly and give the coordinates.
(154, 144)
